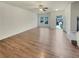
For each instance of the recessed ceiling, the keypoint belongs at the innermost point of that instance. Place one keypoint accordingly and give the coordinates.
(33, 5)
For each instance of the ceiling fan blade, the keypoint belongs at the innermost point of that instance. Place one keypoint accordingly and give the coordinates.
(45, 7)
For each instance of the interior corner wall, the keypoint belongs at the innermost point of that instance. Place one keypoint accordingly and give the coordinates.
(74, 14)
(67, 15)
(71, 13)
(14, 20)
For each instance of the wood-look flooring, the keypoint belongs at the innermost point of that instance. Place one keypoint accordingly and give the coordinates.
(38, 43)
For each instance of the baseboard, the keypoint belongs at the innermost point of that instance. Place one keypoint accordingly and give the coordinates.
(7, 36)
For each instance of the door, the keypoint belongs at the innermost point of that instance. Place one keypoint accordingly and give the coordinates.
(59, 22)
(43, 20)
(77, 23)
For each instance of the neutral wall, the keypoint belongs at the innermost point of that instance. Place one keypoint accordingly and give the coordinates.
(71, 13)
(67, 15)
(74, 14)
(14, 20)
(52, 20)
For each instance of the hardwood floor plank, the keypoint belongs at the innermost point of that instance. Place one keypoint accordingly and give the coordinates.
(38, 43)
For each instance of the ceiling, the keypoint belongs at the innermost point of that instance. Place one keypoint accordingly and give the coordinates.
(33, 5)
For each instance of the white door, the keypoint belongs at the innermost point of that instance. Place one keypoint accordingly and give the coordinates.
(43, 20)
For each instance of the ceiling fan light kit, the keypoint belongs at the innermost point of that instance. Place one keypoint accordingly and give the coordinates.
(42, 8)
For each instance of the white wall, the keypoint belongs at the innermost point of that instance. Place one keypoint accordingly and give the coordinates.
(67, 18)
(14, 20)
(74, 14)
(71, 13)
(52, 20)
(53, 15)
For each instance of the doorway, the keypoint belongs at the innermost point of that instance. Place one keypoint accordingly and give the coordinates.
(59, 22)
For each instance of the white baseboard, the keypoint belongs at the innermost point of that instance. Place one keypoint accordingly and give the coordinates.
(12, 34)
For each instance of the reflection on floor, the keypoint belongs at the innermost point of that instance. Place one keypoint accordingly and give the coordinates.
(38, 42)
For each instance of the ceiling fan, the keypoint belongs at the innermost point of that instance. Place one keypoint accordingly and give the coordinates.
(42, 8)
